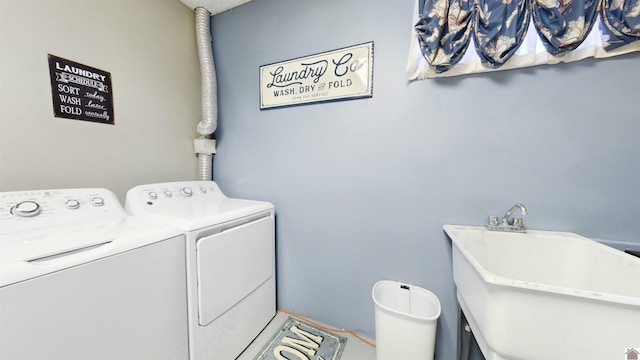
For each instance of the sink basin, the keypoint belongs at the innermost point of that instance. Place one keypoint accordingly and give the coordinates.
(546, 295)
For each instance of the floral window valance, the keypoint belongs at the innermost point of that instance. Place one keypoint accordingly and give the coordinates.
(506, 34)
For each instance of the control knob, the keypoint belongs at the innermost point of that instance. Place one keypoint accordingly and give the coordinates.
(72, 204)
(97, 201)
(26, 209)
(186, 192)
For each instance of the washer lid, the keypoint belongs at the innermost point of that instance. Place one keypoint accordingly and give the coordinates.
(190, 205)
(60, 237)
(29, 254)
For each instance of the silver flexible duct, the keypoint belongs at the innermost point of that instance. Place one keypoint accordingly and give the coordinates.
(205, 168)
(208, 73)
(209, 121)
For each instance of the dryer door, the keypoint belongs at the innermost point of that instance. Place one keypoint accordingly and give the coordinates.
(232, 264)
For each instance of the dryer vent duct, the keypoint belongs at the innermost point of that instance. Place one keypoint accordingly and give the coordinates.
(214, 6)
(204, 147)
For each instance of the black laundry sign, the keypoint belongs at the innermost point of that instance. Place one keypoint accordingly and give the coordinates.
(80, 92)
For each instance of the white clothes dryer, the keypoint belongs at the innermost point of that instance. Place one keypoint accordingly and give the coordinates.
(80, 279)
(230, 261)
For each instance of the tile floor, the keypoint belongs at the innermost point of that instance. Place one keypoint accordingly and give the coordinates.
(355, 349)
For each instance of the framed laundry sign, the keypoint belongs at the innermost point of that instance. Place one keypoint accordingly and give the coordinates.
(80, 92)
(341, 74)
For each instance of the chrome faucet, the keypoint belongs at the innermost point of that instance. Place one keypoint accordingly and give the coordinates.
(523, 211)
(514, 226)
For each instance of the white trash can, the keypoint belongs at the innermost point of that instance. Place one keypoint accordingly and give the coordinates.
(405, 317)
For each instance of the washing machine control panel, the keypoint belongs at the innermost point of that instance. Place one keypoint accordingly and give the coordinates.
(53, 207)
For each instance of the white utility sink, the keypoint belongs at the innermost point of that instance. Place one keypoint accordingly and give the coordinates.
(546, 295)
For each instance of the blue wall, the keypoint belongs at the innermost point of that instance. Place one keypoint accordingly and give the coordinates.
(363, 187)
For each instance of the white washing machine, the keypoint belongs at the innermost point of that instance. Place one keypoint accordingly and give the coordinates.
(230, 261)
(80, 279)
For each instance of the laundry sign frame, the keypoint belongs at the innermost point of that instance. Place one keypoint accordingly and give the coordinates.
(80, 92)
(341, 74)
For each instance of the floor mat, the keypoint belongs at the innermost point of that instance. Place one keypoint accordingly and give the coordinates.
(299, 340)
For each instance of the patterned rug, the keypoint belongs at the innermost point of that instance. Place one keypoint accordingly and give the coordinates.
(298, 340)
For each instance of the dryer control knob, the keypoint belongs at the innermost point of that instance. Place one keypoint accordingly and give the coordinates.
(26, 209)
(97, 201)
(186, 192)
(152, 195)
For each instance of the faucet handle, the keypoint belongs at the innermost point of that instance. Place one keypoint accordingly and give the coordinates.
(493, 221)
(517, 223)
